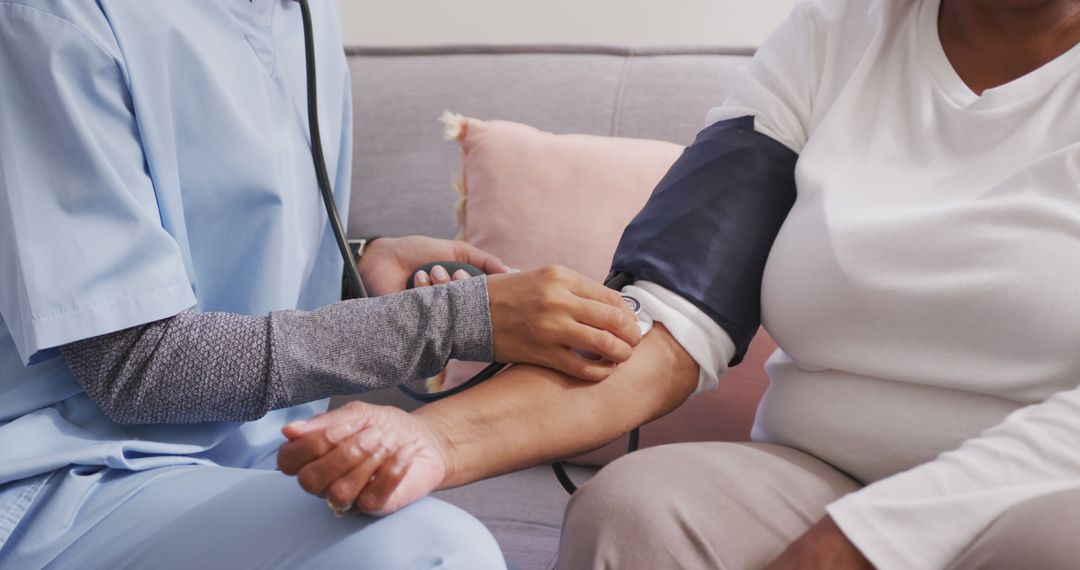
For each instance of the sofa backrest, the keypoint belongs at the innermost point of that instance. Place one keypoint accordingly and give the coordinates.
(403, 169)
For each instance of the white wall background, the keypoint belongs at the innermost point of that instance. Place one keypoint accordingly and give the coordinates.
(621, 22)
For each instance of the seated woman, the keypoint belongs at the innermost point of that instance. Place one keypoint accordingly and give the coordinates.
(923, 410)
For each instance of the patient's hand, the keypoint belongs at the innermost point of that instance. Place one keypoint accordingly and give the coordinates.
(376, 459)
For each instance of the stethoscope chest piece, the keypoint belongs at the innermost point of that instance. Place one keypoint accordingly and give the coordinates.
(644, 319)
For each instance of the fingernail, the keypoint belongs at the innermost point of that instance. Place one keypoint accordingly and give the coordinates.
(296, 425)
(338, 433)
(422, 278)
(461, 275)
(439, 273)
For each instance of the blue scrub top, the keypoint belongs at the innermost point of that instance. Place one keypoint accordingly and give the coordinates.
(154, 156)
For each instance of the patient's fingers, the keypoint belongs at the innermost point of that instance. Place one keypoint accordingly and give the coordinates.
(294, 455)
(386, 480)
(421, 279)
(344, 489)
(316, 476)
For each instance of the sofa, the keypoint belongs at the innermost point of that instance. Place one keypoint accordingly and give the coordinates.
(403, 172)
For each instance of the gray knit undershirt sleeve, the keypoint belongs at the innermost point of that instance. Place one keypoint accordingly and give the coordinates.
(202, 367)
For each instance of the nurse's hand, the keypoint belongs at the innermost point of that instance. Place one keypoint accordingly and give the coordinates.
(538, 316)
(371, 459)
(387, 263)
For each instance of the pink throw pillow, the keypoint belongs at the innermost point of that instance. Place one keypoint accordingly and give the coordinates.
(534, 198)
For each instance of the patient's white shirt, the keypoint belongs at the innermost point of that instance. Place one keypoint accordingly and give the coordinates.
(925, 289)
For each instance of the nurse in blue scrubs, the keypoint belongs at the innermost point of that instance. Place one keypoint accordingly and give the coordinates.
(168, 288)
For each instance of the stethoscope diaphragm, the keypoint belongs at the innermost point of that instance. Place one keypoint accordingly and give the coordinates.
(644, 319)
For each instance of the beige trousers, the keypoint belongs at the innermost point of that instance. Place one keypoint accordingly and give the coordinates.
(738, 505)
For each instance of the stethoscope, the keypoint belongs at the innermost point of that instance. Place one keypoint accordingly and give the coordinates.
(615, 281)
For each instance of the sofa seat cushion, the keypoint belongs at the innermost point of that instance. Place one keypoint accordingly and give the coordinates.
(524, 511)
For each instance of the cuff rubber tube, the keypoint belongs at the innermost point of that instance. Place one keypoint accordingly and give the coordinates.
(706, 231)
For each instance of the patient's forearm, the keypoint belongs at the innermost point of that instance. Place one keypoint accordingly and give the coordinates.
(529, 415)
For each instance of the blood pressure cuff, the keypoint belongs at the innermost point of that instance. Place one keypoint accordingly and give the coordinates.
(707, 229)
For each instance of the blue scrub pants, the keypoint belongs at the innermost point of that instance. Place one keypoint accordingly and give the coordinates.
(219, 517)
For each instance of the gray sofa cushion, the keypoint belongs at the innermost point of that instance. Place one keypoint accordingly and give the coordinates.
(402, 168)
(402, 175)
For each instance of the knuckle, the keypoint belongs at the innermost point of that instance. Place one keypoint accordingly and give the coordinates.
(318, 445)
(309, 480)
(285, 461)
(341, 492)
(369, 502)
(605, 343)
(363, 442)
(554, 272)
(618, 318)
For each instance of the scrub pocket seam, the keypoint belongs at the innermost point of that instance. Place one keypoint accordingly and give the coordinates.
(14, 515)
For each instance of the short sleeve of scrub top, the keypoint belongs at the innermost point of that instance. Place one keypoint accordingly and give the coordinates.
(82, 247)
(154, 156)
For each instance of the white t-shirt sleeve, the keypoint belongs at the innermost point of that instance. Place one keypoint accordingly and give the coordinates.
(926, 517)
(777, 87)
(703, 339)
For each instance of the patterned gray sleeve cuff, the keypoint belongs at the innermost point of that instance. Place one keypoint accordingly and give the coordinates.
(201, 367)
(369, 344)
(470, 321)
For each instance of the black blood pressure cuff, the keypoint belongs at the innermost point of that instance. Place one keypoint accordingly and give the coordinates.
(707, 230)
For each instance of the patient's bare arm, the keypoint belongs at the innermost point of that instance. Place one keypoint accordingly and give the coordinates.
(532, 415)
(523, 417)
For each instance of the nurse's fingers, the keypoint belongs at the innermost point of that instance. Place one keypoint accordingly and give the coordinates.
(477, 257)
(601, 343)
(386, 480)
(421, 279)
(578, 366)
(618, 321)
(587, 288)
(369, 445)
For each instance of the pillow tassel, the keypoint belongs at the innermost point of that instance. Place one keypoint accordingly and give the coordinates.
(454, 125)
